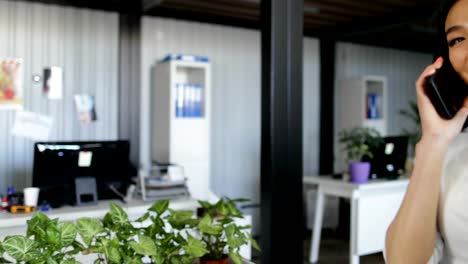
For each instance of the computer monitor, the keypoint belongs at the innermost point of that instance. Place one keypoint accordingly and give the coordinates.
(57, 164)
(389, 158)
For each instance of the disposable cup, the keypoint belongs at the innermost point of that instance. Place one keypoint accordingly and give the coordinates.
(31, 195)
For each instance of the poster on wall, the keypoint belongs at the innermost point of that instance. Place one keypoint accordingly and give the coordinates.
(86, 108)
(32, 126)
(53, 82)
(11, 90)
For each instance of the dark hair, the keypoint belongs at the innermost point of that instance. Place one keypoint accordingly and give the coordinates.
(441, 16)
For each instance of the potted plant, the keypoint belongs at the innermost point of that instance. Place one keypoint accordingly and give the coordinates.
(161, 236)
(47, 241)
(219, 232)
(357, 143)
(117, 240)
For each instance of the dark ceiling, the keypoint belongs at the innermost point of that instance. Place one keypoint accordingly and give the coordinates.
(402, 24)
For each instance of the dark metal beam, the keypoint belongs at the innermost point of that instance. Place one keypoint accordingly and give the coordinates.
(327, 95)
(406, 17)
(148, 5)
(129, 82)
(281, 142)
(211, 18)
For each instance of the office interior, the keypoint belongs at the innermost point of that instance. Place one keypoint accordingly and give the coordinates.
(108, 49)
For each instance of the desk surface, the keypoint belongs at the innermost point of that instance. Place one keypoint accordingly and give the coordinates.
(71, 213)
(327, 180)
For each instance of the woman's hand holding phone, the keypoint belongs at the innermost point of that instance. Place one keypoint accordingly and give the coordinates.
(434, 128)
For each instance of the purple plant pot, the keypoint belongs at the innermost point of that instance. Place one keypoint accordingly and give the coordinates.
(359, 172)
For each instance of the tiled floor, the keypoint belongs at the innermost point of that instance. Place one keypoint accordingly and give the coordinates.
(333, 250)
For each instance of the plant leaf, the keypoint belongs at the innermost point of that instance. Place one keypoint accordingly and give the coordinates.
(181, 259)
(232, 208)
(70, 261)
(159, 207)
(254, 243)
(235, 238)
(51, 261)
(88, 228)
(1, 250)
(235, 257)
(221, 207)
(67, 233)
(145, 246)
(205, 204)
(159, 258)
(206, 226)
(107, 221)
(18, 247)
(194, 247)
(118, 215)
(53, 235)
(134, 260)
(143, 217)
(2, 260)
(37, 226)
(113, 255)
(34, 255)
(180, 218)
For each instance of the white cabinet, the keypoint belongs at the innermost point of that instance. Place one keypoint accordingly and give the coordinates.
(360, 101)
(181, 117)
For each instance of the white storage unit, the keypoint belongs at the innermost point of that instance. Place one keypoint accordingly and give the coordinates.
(361, 101)
(181, 117)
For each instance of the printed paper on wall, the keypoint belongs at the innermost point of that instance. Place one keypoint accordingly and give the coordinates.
(85, 106)
(11, 90)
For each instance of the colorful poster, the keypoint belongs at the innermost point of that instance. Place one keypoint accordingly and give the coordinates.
(85, 107)
(11, 90)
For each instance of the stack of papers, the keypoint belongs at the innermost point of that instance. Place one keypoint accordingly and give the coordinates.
(156, 188)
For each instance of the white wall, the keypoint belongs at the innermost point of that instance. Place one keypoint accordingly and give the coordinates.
(235, 58)
(85, 44)
(401, 68)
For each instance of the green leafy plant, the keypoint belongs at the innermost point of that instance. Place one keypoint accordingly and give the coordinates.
(166, 240)
(161, 235)
(359, 141)
(110, 237)
(47, 242)
(414, 134)
(219, 232)
(116, 240)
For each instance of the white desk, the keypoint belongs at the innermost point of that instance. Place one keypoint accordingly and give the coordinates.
(15, 224)
(373, 207)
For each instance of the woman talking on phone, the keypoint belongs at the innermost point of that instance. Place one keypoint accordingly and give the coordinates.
(431, 225)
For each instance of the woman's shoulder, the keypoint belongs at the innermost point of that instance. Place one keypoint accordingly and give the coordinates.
(455, 162)
(458, 145)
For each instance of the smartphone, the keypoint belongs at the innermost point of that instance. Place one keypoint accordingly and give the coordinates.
(447, 91)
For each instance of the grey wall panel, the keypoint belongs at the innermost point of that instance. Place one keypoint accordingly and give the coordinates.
(84, 43)
(235, 57)
(401, 68)
(311, 106)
